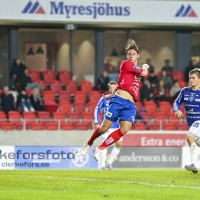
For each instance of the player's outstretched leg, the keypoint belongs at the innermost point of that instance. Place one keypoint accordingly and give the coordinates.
(194, 158)
(103, 159)
(86, 147)
(125, 126)
(111, 139)
(191, 168)
(98, 131)
(114, 153)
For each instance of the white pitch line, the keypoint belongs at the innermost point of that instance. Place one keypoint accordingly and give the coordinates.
(62, 190)
(113, 181)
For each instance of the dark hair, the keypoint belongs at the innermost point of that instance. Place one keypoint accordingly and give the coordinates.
(14, 60)
(163, 71)
(195, 71)
(175, 81)
(167, 60)
(159, 84)
(131, 44)
(112, 83)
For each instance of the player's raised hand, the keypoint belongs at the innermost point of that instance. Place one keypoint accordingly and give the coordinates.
(179, 114)
(145, 66)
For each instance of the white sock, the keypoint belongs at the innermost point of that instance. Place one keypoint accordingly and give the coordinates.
(32, 109)
(103, 157)
(194, 153)
(114, 153)
(26, 109)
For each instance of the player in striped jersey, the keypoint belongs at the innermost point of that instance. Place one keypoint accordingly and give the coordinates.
(190, 96)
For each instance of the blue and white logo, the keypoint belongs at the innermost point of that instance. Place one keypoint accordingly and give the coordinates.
(191, 98)
(196, 124)
(33, 8)
(79, 160)
(93, 10)
(136, 67)
(186, 11)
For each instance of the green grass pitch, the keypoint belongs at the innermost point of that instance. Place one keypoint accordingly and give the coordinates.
(123, 184)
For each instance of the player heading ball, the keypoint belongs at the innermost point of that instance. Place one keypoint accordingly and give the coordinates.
(122, 106)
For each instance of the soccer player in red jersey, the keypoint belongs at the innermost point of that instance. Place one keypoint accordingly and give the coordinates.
(122, 105)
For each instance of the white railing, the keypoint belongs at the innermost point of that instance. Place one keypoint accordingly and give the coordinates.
(26, 123)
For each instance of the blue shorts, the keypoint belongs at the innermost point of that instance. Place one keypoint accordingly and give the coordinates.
(122, 109)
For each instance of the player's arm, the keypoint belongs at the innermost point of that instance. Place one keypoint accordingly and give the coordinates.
(177, 105)
(132, 68)
(97, 111)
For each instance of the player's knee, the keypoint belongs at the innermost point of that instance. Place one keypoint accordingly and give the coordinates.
(103, 129)
(118, 145)
(124, 130)
(190, 138)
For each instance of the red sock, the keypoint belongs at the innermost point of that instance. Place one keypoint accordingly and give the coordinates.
(94, 136)
(112, 138)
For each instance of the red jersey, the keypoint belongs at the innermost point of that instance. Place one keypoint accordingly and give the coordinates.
(129, 78)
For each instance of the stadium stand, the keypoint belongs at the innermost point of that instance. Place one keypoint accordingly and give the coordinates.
(169, 125)
(67, 126)
(35, 75)
(81, 126)
(69, 117)
(42, 83)
(64, 95)
(37, 126)
(73, 117)
(71, 86)
(65, 108)
(86, 86)
(139, 126)
(49, 75)
(80, 96)
(64, 76)
(79, 107)
(56, 86)
(69, 107)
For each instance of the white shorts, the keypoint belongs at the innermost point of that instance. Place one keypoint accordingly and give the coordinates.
(195, 130)
(106, 134)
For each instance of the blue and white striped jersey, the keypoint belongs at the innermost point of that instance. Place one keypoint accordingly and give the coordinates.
(103, 104)
(191, 99)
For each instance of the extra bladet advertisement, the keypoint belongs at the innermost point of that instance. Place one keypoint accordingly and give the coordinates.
(155, 140)
(183, 12)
